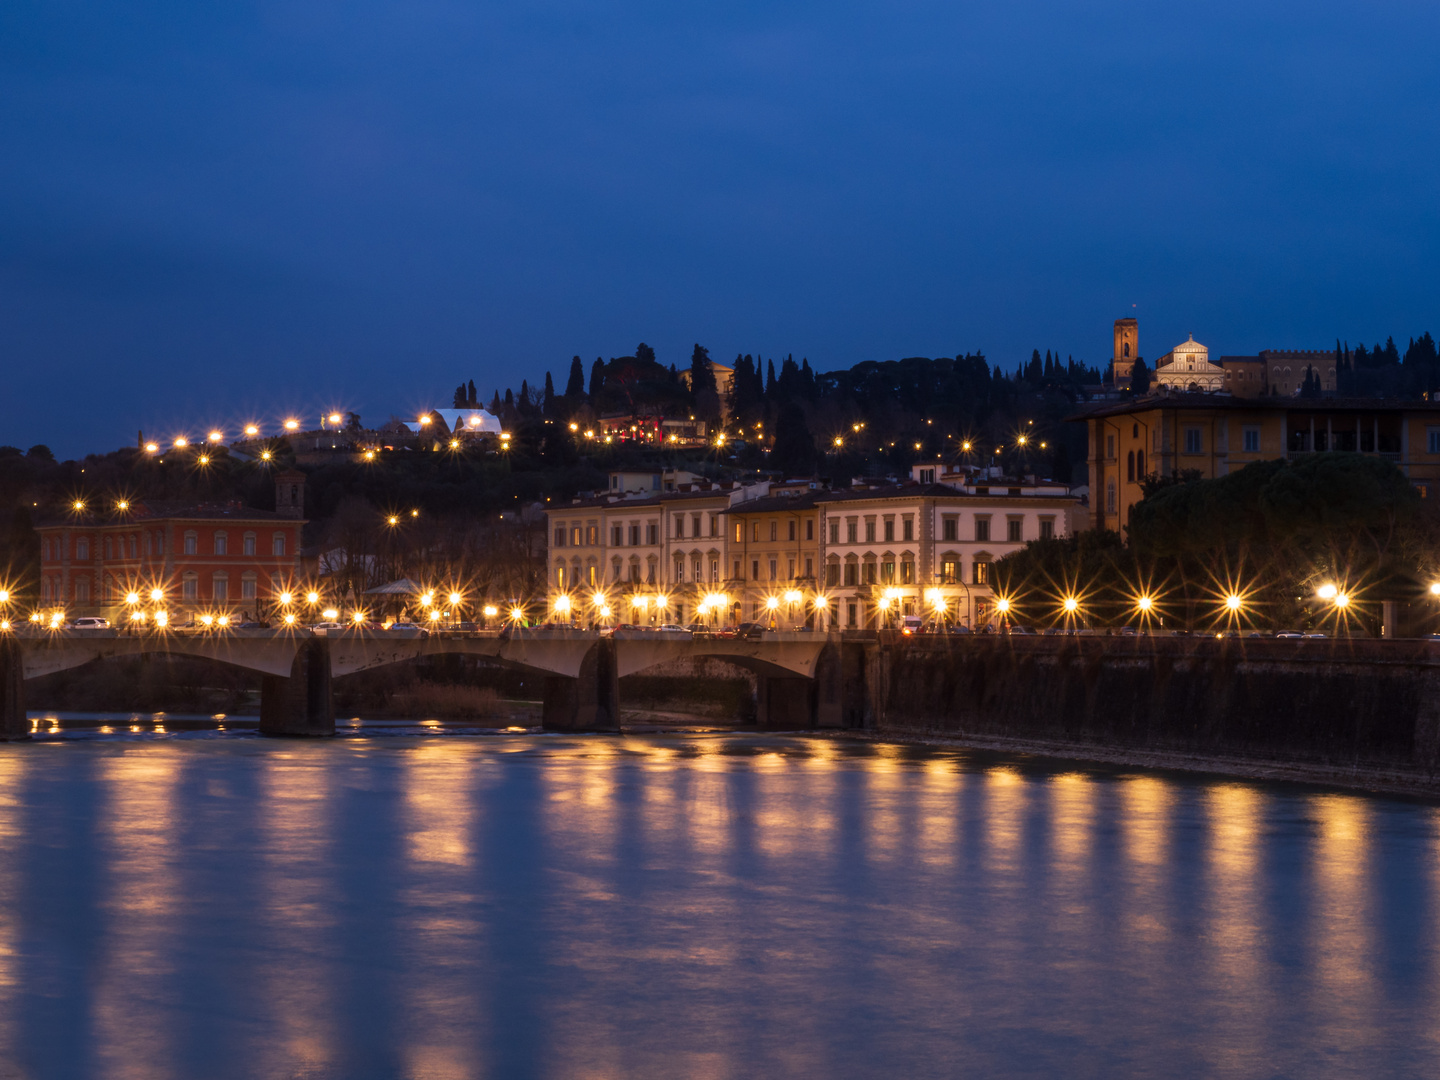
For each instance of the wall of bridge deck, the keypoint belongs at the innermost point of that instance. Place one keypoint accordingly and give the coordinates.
(1336, 703)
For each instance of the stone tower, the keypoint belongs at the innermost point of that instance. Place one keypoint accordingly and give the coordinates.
(1127, 351)
(290, 494)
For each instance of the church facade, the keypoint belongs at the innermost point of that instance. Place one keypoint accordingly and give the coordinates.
(1187, 367)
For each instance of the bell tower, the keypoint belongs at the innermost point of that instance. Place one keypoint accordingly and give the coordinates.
(1127, 351)
(290, 494)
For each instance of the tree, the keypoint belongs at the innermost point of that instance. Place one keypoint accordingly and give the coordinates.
(472, 398)
(644, 353)
(702, 386)
(575, 385)
(1140, 377)
(548, 403)
(458, 400)
(794, 448)
(597, 381)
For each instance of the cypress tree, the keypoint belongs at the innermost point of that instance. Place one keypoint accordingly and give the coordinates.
(575, 385)
(597, 381)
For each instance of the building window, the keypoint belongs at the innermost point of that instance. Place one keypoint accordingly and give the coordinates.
(852, 532)
(680, 570)
(1193, 442)
(1432, 436)
(1014, 529)
(1251, 440)
(810, 529)
(889, 530)
(592, 535)
(907, 573)
(192, 543)
(560, 576)
(908, 531)
(82, 590)
(927, 476)
(774, 531)
(791, 531)
(832, 574)
(887, 573)
(1140, 465)
(870, 531)
(634, 535)
(1109, 447)
(982, 529)
(190, 587)
(834, 532)
(560, 536)
(1110, 503)
(248, 587)
(949, 528)
(774, 567)
(852, 573)
(754, 569)
(1130, 466)
(220, 587)
(869, 573)
(109, 548)
(247, 544)
(221, 543)
(575, 536)
(278, 545)
(949, 570)
(652, 534)
(82, 548)
(980, 573)
(1047, 528)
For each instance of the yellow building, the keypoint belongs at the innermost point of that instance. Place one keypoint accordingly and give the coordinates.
(1165, 434)
(773, 549)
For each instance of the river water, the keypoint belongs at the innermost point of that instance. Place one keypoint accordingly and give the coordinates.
(411, 901)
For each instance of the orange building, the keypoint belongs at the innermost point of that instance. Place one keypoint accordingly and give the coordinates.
(221, 557)
(1215, 434)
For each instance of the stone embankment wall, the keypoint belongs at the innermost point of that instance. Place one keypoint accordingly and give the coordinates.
(1338, 704)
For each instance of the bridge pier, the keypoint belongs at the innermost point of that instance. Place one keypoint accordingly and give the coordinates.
(13, 723)
(840, 686)
(590, 702)
(785, 704)
(301, 704)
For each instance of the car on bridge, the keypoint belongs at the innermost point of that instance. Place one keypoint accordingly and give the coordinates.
(325, 628)
(91, 623)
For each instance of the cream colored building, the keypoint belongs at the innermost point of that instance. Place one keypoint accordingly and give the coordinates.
(1187, 367)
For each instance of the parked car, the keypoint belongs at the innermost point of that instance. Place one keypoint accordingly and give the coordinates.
(89, 622)
(1022, 631)
(1292, 635)
(672, 630)
(325, 628)
(750, 631)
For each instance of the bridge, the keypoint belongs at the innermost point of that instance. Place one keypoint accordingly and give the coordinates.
(805, 679)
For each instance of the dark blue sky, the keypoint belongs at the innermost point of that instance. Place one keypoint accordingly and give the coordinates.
(210, 212)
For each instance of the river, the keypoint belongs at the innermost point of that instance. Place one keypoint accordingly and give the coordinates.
(417, 901)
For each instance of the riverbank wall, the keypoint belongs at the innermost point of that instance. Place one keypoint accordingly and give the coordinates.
(1325, 708)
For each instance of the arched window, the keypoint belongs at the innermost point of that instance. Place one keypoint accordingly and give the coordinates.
(1140, 464)
(1130, 467)
(82, 549)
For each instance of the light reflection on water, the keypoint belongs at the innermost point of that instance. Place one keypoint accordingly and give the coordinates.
(219, 905)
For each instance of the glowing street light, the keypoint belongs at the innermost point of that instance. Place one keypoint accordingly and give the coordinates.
(78, 505)
(286, 598)
(330, 614)
(181, 443)
(266, 455)
(455, 599)
(1071, 605)
(156, 595)
(1328, 591)
(292, 425)
(152, 448)
(122, 505)
(162, 619)
(490, 611)
(312, 597)
(132, 598)
(216, 436)
(252, 430)
(334, 418)
(1233, 603)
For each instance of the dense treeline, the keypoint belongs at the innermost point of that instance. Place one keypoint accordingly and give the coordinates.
(788, 417)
